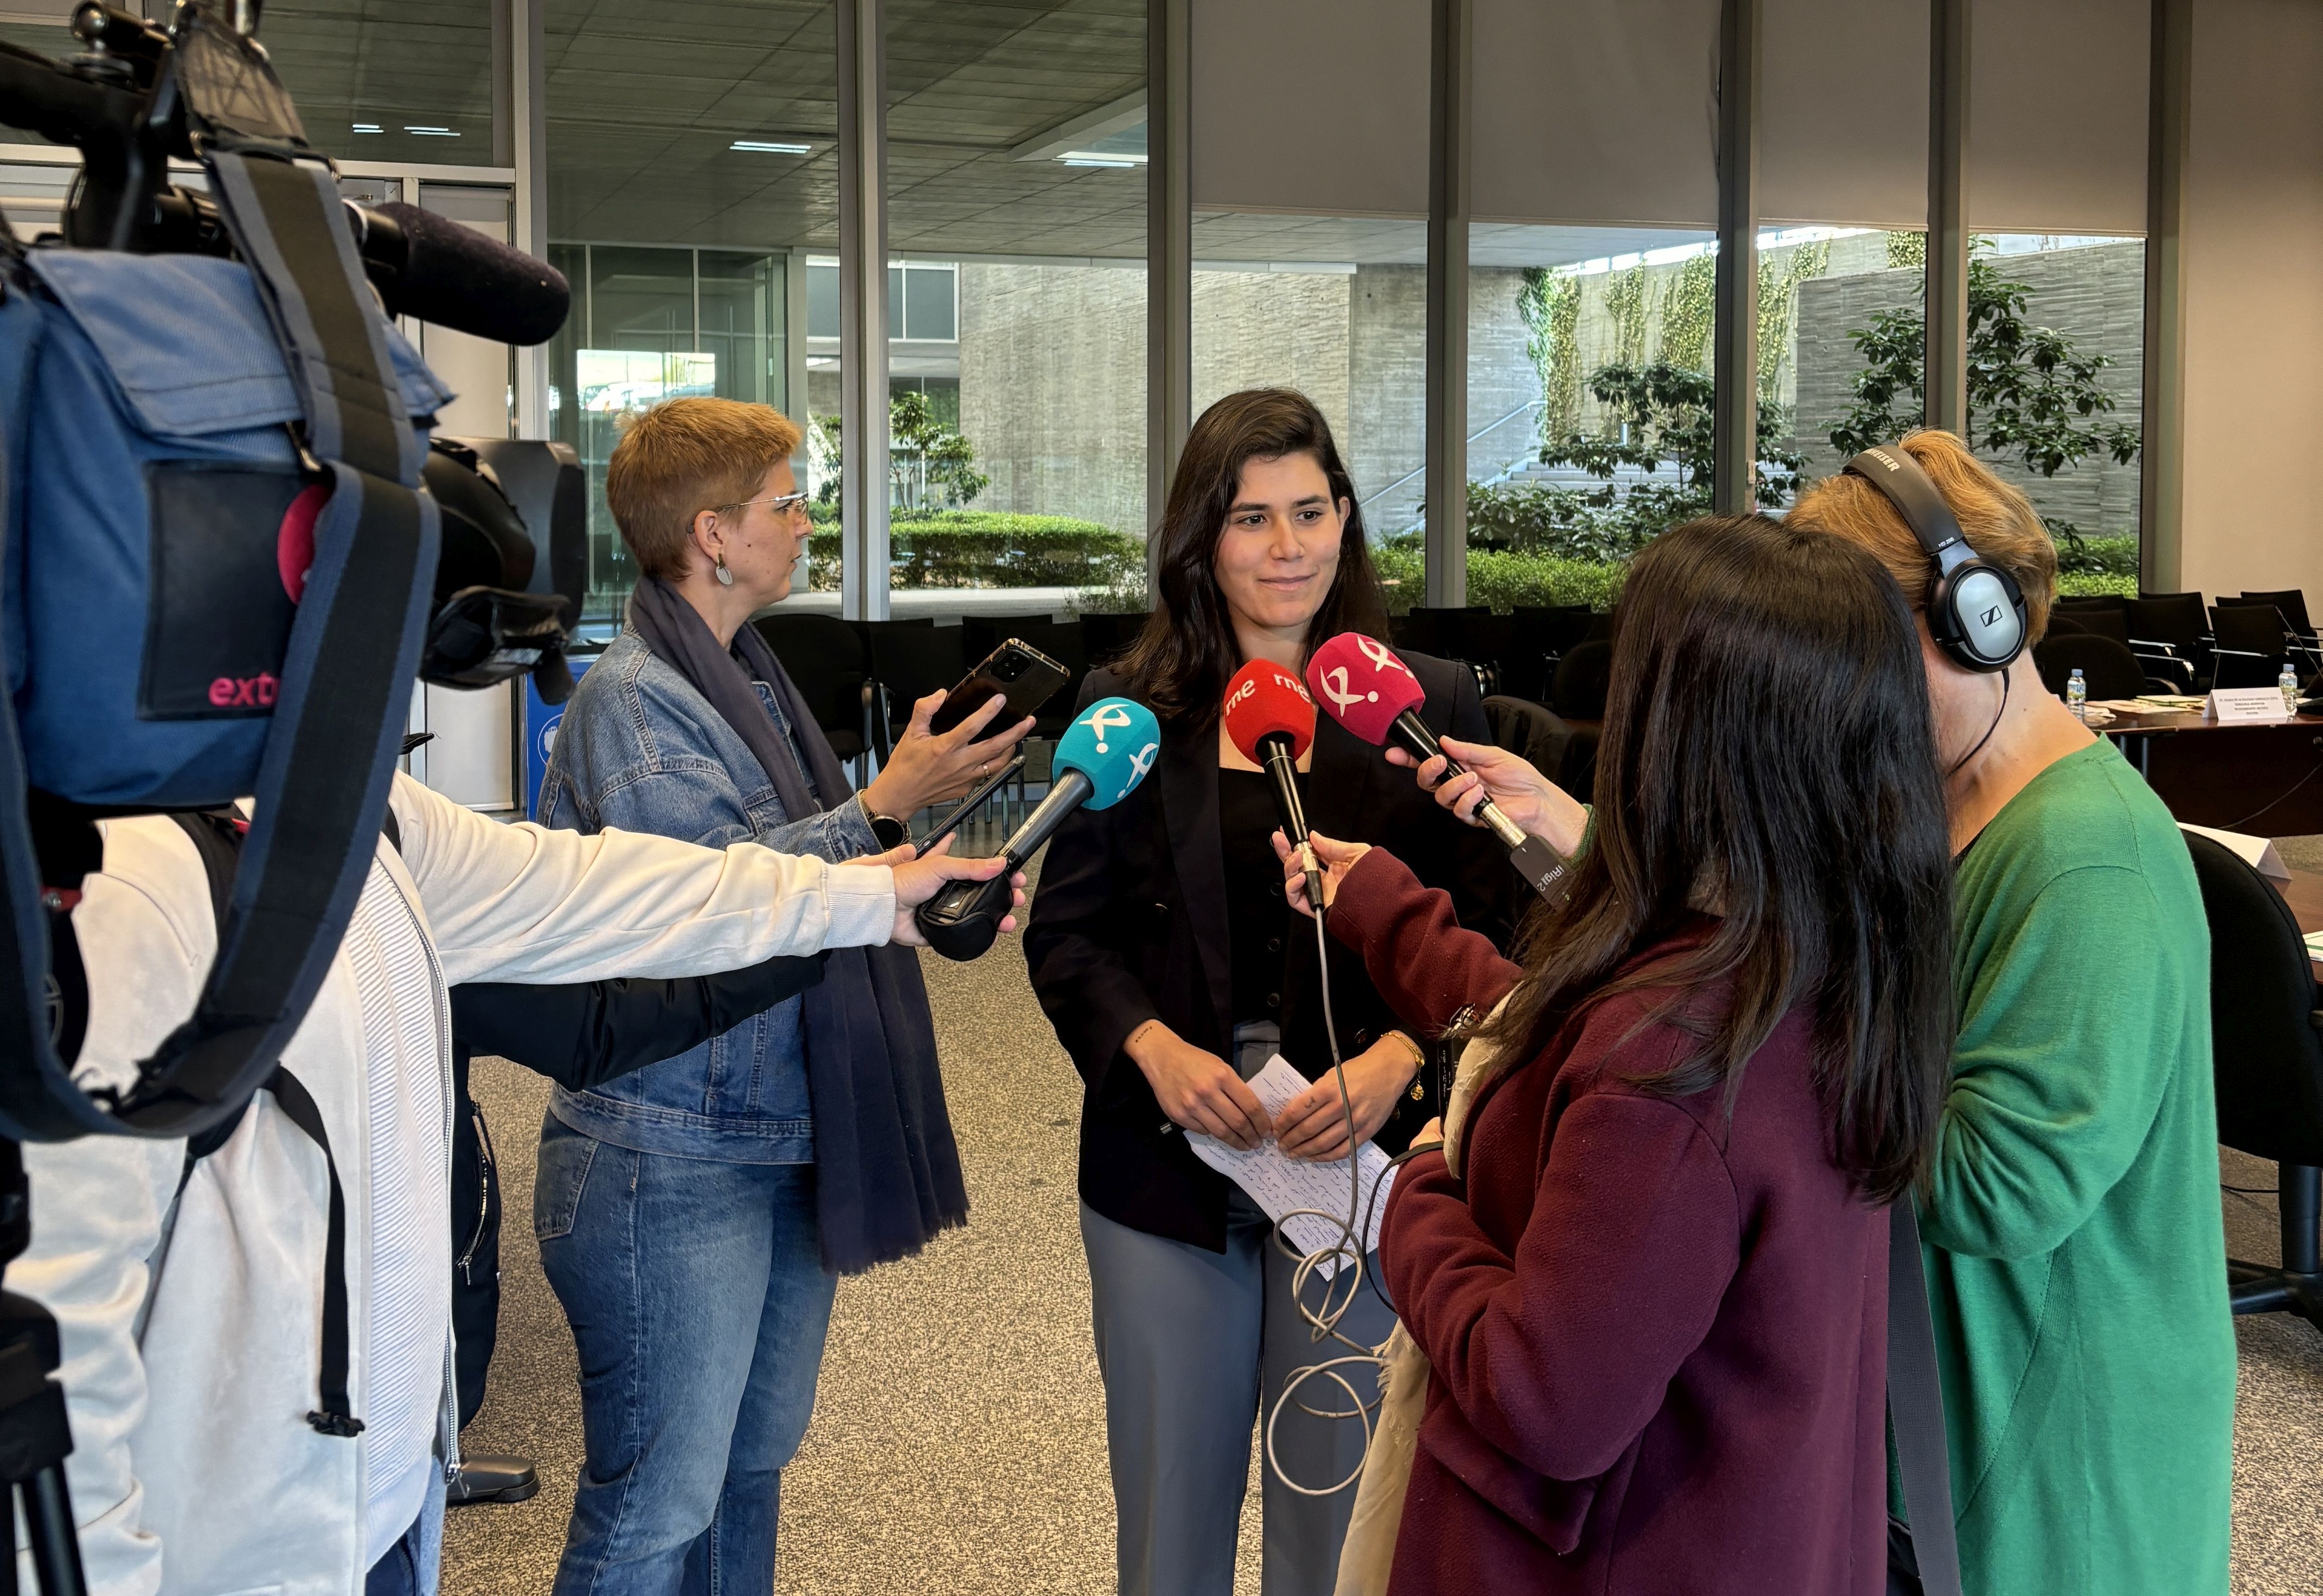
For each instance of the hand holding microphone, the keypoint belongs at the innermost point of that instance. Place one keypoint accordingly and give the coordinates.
(920, 878)
(1104, 753)
(1506, 780)
(1367, 689)
(1336, 858)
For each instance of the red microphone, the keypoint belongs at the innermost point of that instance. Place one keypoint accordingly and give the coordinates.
(1365, 688)
(1270, 718)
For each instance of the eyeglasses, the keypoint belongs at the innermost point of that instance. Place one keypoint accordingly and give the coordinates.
(784, 503)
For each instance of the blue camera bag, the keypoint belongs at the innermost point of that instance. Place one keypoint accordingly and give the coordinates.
(216, 576)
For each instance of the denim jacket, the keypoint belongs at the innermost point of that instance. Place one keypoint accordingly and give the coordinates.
(639, 750)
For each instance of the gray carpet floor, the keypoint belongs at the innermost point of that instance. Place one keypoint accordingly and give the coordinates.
(958, 1446)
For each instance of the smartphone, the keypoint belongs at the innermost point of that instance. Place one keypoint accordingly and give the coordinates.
(970, 804)
(1015, 670)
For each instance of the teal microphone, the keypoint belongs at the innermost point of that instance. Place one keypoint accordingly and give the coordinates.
(1110, 748)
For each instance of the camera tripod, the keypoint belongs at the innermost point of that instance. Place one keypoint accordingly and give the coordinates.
(33, 1434)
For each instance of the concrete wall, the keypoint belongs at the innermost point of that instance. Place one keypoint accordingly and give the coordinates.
(2253, 273)
(1262, 329)
(1053, 388)
(2094, 295)
(1052, 376)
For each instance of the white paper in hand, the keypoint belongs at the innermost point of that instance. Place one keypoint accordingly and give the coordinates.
(1282, 1185)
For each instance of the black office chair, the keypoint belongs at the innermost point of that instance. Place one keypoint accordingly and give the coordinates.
(2172, 626)
(2108, 669)
(2248, 644)
(2267, 1061)
(1543, 632)
(1584, 677)
(1529, 731)
(827, 658)
(2289, 607)
(2076, 603)
(1107, 636)
(2291, 601)
(2096, 623)
(908, 662)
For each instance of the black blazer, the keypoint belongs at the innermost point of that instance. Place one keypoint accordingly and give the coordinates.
(1130, 924)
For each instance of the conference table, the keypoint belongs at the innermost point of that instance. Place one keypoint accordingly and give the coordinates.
(2255, 778)
(2304, 892)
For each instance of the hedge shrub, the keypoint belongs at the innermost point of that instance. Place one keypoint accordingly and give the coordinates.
(1504, 582)
(988, 548)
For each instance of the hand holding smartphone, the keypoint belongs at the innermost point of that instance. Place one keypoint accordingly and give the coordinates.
(1016, 672)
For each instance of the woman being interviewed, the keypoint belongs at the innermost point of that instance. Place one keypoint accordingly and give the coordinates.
(1162, 950)
(1654, 1296)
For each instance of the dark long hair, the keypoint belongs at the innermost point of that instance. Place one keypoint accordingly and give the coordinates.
(1182, 660)
(1767, 752)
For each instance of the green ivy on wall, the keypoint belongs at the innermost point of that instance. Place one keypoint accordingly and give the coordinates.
(1689, 310)
(1550, 304)
(1907, 249)
(1626, 307)
(1778, 310)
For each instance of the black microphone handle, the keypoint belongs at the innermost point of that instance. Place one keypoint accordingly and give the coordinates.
(1283, 767)
(1534, 859)
(962, 921)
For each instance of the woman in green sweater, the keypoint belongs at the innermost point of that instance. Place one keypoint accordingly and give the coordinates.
(2076, 1260)
(2075, 1255)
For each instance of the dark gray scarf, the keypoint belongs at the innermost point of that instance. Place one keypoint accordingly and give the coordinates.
(886, 1169)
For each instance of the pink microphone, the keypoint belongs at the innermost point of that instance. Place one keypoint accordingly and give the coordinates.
(1362, 684)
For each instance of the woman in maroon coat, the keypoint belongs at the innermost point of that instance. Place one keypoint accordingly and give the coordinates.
(1656, 1306)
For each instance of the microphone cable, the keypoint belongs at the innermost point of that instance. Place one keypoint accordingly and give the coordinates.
(1323, 1319)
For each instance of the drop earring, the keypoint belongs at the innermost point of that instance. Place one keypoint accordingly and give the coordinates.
(725, 577)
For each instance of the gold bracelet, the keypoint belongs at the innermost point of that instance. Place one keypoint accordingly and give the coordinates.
(1418, 1054)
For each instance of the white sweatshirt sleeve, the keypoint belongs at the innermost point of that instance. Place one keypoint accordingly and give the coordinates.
(522, 902)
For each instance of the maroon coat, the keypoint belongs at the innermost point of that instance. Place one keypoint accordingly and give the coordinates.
(1659, 1336)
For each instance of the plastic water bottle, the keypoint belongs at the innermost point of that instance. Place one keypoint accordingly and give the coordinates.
(2289, 683)
(2077, 696)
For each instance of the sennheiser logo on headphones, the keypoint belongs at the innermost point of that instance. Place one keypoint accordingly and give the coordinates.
(1885, 458)
(1992, 616)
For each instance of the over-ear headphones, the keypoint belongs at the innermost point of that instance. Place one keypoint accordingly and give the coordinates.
(1975, 611)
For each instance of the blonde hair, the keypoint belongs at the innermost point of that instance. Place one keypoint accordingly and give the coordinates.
(2000, 523)
(683, 456)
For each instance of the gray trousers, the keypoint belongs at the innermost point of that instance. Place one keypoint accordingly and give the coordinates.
(1187, 1341)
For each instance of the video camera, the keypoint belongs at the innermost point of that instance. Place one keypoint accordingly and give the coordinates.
(231, 542)
(230, 545)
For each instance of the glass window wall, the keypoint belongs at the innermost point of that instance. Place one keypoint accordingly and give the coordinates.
(1016, 306)
(686, 237)
(1337, 307)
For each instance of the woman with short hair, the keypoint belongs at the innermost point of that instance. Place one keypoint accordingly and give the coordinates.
(1172, 968)
(2076, 1261)
(693, 1217)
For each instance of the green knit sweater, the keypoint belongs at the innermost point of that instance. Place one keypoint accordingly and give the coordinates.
(2075, 1255)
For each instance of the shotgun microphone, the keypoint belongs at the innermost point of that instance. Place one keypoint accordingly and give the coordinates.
(1363, 685)
(1105, 753)
(1270, 718)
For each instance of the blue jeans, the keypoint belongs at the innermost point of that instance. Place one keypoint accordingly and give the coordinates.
(698, 1304)
(414, 1564)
